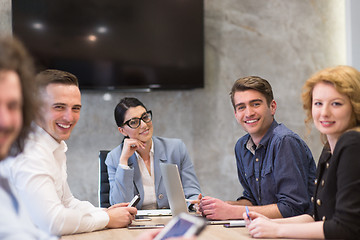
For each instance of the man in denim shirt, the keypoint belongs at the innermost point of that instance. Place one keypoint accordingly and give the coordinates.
(275, 167)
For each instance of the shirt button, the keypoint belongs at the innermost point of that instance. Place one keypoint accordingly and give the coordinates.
(318, 202)
(323, 218)
(312, 199)
(327, 165)
(315, 181)
(161, 196)
(257, 159)
(245, 175)
(322, 183)
(257, 179)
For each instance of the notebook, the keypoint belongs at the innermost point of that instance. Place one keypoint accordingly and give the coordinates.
(175, 192)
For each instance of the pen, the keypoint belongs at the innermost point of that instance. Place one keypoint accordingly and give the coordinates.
(247, 212)
(199, 198)
(192, 200)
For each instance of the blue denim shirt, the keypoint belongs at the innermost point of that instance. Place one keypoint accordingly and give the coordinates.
(281, 170)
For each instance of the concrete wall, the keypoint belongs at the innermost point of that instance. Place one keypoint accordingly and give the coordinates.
(282, 41)
(352, 33)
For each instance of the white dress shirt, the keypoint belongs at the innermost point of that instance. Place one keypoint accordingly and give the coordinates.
(148, 180)
(39, 175)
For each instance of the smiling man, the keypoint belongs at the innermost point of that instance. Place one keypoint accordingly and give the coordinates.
(39, 174)
(275, 167)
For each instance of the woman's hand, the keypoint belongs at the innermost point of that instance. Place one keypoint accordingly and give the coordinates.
(260, 226)
(253, 215)
(129, 147)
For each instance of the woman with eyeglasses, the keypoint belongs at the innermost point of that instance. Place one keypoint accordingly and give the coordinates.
(331, 99)
(134, 165)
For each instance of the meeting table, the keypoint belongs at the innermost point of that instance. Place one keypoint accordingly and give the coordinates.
(211, 232)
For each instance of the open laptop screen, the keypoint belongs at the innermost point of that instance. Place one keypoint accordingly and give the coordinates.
(174, 189)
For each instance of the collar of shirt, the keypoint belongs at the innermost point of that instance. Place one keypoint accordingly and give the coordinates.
(52, 143)
(250, 145)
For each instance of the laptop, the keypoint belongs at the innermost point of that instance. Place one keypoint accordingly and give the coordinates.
(176, 198)
(175, 192)
(174, 189)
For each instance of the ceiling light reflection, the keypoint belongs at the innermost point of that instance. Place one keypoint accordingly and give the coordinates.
(102, 29)
(92, 38)
(38, 26)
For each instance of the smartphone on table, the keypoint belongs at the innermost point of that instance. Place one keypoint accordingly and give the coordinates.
(184, 225)
(140, 218)
(146, 226)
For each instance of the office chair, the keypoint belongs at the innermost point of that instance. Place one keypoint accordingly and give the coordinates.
(104, 185)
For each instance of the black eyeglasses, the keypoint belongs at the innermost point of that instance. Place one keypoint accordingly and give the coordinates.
(135, 122)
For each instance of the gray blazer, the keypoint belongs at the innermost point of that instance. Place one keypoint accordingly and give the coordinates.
(126, 183)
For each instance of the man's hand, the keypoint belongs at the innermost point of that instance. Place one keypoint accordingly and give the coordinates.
(213, 208)
(120, 216)
(118, 205)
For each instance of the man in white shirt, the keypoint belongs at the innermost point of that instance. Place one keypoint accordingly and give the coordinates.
(17, 109)
(39, 174)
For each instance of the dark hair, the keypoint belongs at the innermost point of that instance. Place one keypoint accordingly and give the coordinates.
(49, 76)
(123, 106)
(252, 83)
(14, 57)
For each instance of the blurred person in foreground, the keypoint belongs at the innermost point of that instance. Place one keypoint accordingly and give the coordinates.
(331, 99)
(17, 111)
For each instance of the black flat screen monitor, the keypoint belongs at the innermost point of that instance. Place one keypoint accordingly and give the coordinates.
(116, 44)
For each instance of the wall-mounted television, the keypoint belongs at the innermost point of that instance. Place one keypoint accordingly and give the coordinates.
(116, 44)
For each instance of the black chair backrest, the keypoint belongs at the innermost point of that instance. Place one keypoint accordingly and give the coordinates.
(104, 185)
